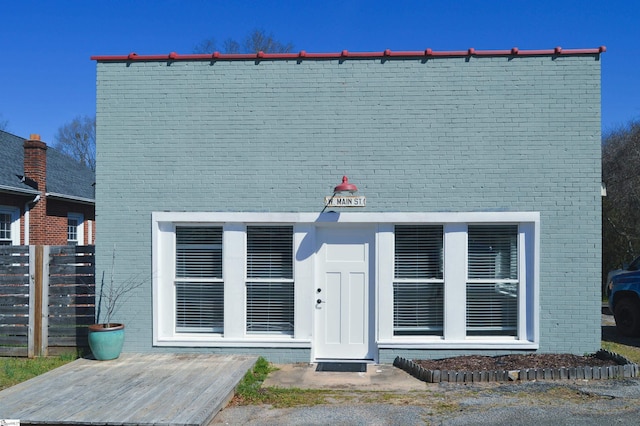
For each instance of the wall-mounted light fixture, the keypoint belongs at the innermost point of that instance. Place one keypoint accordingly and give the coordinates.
(345, 186)
(337, 200)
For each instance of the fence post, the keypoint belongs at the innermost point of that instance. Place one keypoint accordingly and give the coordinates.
(44, 311)
(39, 301)
(33, 295)
(37, 318)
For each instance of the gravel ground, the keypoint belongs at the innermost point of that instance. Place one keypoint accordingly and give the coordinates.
(540, 403)
(580, 402)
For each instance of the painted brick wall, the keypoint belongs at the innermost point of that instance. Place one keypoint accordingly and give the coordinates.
(444, 134)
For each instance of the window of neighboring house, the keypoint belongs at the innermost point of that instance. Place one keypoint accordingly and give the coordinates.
(492, 280)
(9, 226)
(270, 285)
(75, 230)
(5, 229)
(418, 287)
(198, 280)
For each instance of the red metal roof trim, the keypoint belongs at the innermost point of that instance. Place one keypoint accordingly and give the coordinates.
(427, 53)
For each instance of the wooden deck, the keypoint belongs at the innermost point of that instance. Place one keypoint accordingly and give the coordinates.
(149, 389)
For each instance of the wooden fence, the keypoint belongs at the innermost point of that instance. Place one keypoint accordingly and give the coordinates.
(47, 299)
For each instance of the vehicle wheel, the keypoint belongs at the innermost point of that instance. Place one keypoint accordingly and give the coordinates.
(627, 315)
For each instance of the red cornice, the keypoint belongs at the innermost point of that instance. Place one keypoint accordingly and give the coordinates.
(302, 55)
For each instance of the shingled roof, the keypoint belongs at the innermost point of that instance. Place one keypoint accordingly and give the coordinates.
(66, 178)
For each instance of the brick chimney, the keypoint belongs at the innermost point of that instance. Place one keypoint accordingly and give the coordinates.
(35, 168)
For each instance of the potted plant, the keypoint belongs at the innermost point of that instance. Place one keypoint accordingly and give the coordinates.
(106, 338)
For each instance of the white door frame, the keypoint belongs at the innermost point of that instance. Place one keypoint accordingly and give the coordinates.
(346, 313)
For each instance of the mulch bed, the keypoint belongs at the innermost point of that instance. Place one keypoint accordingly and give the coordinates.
(475, 368)
(513, 362)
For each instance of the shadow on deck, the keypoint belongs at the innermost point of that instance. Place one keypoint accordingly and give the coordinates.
(143, 389)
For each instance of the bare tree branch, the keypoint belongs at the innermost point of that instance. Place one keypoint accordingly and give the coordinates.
(78, 140)
(259, 41)
(112, 292)
(621, 206)
(205, 46)
(256, 41)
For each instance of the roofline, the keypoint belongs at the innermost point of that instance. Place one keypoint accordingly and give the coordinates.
(387, 54)
(82, 200)
(18, 191)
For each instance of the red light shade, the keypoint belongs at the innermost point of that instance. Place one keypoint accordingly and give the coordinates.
(345, 186)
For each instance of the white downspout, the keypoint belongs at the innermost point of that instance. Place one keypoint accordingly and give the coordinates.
(27, 208)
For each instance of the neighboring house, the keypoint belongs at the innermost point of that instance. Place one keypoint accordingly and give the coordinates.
(477, 231)
(46, 197)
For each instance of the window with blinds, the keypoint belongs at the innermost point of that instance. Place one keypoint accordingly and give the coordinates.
(418, 288)
(270, 285)
(198, 282)
(492, 281)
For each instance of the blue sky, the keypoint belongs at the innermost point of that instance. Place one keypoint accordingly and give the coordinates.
(47, 77)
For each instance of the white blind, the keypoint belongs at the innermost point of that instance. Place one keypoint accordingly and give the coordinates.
(493, 252)
(270, 287)
(269, 252)
(418, 308)
(418, 252)
(270, 308)
(199, 285)
(198, 252)
(418, 288)
(492, 286)
(199, 307)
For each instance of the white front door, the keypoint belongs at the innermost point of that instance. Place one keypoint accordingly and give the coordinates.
(344, 294)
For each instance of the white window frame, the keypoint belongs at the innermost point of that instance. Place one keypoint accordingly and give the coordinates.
(79, 217)
(426, 281)
(455, 273)
(205, 280)
(305, 226)
(257, 281)
(493, 284)
(14, 228)
(234, 240)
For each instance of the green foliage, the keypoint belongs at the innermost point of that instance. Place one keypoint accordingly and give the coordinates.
(250, 391)
(16, 370)
(629, 352)
(250, 385)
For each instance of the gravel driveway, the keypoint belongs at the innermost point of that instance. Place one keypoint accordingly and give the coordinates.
(540, 403)
(579, 402)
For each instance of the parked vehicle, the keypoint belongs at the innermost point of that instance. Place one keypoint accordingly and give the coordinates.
(624, 302)
(633, 266)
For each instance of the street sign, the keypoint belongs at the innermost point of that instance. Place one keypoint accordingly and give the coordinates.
(345, 201)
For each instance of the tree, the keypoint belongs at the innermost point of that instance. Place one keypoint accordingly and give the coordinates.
(621, 206)
(256, 41)
(3, 123)
(259, 41)
(78, 140)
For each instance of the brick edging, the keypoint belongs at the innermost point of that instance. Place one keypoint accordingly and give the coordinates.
(624, 369)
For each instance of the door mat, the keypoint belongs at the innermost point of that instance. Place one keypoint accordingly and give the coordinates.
(342, 367)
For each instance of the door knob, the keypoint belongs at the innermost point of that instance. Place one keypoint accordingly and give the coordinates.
(319, 301)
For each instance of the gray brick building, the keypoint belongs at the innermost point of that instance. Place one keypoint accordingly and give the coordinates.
(478, 229)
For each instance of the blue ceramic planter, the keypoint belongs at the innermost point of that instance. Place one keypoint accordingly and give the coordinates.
(106, 342)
